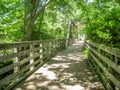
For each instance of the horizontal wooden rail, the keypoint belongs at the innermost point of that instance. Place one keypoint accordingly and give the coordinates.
(19, 60)
(106, 62)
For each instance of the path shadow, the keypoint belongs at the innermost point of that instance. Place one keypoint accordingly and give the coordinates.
(66, 71)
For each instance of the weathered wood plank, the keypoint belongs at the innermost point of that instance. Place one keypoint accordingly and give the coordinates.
(9, 56)
(110, 76)
(10, 77)
(31, 55)
(16, 60)
(8, 68)
(19, 44)
(38, 51)
(26, 75)
(18, 54)
(113, 51)
(106, 60)
(11, 66)
(13, 75)
(103, 78)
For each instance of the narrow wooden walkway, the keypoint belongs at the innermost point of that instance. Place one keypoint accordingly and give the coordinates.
(68, 70)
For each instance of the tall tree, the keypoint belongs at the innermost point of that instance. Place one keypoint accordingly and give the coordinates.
(30, 17)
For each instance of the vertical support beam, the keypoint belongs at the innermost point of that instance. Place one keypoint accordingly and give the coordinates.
(44, 50)
(60, 41)
(50, 47)
(69, 32)
(31, 55)
(64, 42)
(59, 45)
(16, 69)
(116, 60)
(54, 44)
(78, 34)
(41, 52)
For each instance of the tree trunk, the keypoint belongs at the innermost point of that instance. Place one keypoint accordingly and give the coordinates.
(25, 18)
(33, 17)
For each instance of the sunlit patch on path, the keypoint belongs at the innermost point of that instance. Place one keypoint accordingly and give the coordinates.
(66, 71)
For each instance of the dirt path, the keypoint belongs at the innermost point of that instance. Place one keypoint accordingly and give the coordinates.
(66, 71)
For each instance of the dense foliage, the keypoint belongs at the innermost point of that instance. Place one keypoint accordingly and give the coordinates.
(103, 23)
(11, 20)
(34, 19)
(38, 19)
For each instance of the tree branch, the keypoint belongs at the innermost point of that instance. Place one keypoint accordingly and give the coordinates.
(42, 8)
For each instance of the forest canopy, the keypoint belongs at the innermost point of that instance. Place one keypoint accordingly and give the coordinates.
(48, 19)
(34, 19)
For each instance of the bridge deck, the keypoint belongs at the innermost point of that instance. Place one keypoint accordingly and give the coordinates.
(68, 70)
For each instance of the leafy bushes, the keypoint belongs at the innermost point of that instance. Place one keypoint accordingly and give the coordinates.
(104, 24)
(2, 64)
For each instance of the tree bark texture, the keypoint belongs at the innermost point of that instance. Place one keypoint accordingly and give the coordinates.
(34, 13)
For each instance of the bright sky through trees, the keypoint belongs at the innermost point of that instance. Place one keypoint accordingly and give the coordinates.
(90, 0)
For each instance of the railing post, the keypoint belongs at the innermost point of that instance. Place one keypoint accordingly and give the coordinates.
(54, 44)
(67, 42)
(116, 60)
(41, 52)
(59, 45)
(16, 61)
(49, 44)
(44, 50)
(31, 55)
(64, 42)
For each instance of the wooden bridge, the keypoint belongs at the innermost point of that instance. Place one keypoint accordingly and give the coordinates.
(58, 65)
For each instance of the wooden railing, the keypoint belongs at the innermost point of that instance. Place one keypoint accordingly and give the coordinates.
(105, 61)
(19, 60)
